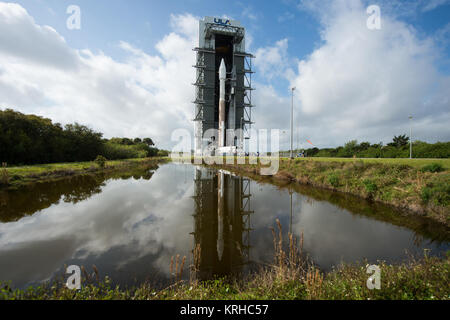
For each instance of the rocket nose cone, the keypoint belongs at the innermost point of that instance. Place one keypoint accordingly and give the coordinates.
(222, 70)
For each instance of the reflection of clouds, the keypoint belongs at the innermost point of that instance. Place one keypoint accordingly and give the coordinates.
(133, 227)
(331, 234)
(37, 259)
(124, 215)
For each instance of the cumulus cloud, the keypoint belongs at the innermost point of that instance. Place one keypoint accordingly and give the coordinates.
(363, 84)
(357, 83)
(272, 60)
(144, 96)
(22, 39)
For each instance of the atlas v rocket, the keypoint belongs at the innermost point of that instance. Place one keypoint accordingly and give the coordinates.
(221, 143)
(223, 105)
(222, 79)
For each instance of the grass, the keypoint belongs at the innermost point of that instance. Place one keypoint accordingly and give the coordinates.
(415, 163)
(419, 187)
(291, 277)
(23, 175)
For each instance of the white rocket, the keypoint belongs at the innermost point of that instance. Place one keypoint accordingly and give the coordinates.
(222, 79)
(220, 215)
(221, 144)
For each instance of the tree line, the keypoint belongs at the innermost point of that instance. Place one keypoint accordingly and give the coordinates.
(30, 139)
(398, 148)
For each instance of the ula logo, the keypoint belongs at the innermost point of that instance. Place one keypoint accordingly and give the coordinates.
(222, 22)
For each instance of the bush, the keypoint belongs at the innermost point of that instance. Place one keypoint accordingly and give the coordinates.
(426, 194)
(370, 186)
(163, 153)
(438, 193)
(115, 151)
(100, 161)
(433, 167)
(333, 180)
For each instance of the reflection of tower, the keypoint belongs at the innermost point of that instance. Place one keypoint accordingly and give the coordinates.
(222, 223)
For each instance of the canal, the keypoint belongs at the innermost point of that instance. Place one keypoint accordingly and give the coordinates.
(131, 226)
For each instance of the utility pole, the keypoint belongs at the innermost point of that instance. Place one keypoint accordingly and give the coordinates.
(292, 123)
(410, 137)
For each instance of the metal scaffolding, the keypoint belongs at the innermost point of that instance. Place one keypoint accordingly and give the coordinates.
(239, 77)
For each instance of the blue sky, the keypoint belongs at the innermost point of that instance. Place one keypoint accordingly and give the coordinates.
(142, 22)
(298, 34)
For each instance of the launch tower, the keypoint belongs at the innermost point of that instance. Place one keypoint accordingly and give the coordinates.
(222, 39)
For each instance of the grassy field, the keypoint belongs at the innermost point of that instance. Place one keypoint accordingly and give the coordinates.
(416, 163)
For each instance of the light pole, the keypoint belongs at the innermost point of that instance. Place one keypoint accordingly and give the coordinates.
(292, 123)
(410, 137)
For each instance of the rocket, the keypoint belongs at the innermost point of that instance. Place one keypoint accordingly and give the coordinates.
(221, 178)
(222, 79)
(220, 215)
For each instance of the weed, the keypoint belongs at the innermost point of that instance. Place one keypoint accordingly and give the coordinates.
(370, 186)
(4, 180)
(333, 179)
(433, 167)
(101, 161)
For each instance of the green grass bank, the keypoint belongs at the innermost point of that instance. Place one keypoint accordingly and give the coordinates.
(16, 177)
(419, 187)
(425, 279)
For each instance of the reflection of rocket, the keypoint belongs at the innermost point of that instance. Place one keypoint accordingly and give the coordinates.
(222, 79)
(220, 214)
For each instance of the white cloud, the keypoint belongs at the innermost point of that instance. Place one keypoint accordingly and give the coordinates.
(357, 84)
(433, 4)
(272, 61)
(143, 96)
(363, 83)
(21, 39)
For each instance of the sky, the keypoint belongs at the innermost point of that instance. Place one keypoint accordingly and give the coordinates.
(127, 71)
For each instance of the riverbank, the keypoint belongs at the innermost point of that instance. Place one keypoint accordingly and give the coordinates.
(425, 279)
(418, 187)
(16, 177)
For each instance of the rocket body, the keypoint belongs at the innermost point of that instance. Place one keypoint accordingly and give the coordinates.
(222, 79)
(220, 215)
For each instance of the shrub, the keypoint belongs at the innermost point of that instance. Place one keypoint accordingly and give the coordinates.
(426, 194)
(438, 193)
(333, 179)
(433, 167)
(370, 186)
(163, 153)
(115, 151)
(100, 161)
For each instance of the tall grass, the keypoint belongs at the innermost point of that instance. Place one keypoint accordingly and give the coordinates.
(4, 179)
(291, 276)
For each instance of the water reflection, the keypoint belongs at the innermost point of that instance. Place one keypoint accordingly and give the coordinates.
(222, 223)
(130, 225)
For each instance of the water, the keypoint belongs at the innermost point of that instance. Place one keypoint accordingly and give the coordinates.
(131, 225)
